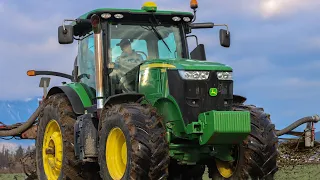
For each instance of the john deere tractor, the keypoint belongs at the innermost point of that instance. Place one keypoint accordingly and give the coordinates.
(166, 113)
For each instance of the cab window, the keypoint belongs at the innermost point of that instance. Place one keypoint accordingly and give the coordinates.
(163, 50)
(86, 61)
(138, 45)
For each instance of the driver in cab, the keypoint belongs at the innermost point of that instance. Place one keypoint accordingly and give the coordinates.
(128, 60)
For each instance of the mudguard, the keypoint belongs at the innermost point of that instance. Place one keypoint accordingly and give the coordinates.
(77, 95)
(123, 98)
(237, 99)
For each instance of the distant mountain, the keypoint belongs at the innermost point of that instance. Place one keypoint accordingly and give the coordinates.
(12, 112)
(317, 136)
(17, 111)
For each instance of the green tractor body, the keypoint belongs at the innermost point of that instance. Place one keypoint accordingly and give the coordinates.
(193, 97)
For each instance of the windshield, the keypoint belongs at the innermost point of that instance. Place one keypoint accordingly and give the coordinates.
(145, 41)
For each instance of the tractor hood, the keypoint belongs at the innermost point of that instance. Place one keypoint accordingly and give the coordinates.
(187, 64)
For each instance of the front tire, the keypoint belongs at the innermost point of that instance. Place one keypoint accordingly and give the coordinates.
(132, 144)
(54, 149)
(258, 153)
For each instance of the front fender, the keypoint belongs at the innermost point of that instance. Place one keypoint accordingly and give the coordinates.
(170, 111)
(77, 94)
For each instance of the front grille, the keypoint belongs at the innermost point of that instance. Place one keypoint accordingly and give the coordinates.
(193, 96)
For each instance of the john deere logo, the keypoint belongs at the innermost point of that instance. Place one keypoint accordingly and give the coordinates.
(213, 91)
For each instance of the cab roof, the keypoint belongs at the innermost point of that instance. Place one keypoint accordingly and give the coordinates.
(133, 11)
(129, 15)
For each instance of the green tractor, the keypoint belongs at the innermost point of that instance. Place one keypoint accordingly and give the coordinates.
(142, 106)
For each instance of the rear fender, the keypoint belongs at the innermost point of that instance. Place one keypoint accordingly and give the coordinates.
(237, 99)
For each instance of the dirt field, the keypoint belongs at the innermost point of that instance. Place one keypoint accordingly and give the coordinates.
(295, 162)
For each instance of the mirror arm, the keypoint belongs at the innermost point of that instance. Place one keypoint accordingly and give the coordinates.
(54, 73)
(207, 25)
(202, 25)
(194, 15)
(63, 23)
(194, 37)
(223, 25)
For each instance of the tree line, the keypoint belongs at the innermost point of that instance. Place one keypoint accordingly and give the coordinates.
(11, 161)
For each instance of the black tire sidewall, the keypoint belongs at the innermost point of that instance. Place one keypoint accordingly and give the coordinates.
(113, 121)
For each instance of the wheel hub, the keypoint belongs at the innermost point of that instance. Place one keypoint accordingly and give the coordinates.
(116, 153)
(225, 168)
(52, 150)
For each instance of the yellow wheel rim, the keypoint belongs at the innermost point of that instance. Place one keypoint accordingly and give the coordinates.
(52, 149)
(225, 168)
(116, 153)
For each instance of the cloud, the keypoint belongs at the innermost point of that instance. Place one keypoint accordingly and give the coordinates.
(46, 55)
(269, 79)
(28, 99)
(35, 46)
(1, 7)
(281, 88)
(253, 9)
(275, 8)
(249, 66)
(310, 66)
(313, 42)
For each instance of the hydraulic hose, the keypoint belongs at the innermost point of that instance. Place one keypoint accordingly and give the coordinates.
(315, 118)
(24, 126)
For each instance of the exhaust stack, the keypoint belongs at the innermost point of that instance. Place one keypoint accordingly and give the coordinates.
(96, 27)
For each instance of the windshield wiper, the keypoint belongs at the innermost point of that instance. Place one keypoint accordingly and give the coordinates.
(157, 33)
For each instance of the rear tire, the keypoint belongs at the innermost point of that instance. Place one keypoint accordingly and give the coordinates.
(144, 149)
(259, 157)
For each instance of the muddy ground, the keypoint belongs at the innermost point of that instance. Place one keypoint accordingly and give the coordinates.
(298, 162)
(295, 161)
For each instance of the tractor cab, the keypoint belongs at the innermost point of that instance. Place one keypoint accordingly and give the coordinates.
(114, 43)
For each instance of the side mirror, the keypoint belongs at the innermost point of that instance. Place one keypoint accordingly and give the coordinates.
(65, 35)
(198, 53)
(224, 38)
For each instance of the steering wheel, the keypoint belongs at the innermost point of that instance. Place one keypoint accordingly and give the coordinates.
(142, 53)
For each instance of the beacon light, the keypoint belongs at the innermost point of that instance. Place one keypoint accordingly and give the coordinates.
(193, 4)
(149, 6)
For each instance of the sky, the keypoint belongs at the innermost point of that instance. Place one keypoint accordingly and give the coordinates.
(275, 48)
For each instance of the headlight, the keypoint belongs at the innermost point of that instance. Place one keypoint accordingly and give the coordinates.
(224, 75)
(194, 75)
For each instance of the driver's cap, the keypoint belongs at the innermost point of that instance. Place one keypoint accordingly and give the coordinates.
(123, 42)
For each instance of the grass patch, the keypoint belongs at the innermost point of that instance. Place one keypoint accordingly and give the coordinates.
(13, 176)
